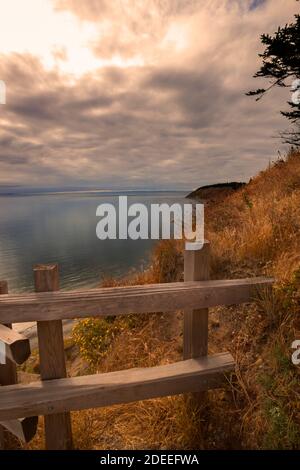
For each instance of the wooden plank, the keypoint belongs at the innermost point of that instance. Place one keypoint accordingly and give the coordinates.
(8, 371)
(48, 306)
(23, 428)
(58, 431)
(195, 322)
(3, 290)
(195, 333)
(17, 345)
(98, 390)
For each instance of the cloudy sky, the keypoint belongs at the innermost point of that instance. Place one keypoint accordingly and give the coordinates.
(136, 93)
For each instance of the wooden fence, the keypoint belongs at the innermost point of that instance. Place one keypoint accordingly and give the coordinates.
(55, 396)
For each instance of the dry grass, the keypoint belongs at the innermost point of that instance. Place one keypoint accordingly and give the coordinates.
(259, 225)
(252, 232)
(256, 231)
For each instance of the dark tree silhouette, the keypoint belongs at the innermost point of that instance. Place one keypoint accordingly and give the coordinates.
(281, 64)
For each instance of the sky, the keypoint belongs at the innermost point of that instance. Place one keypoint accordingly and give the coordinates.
(136, 94)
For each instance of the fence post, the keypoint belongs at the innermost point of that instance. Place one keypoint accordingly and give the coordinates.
(8, 371)
(195, 323)
(58, 432)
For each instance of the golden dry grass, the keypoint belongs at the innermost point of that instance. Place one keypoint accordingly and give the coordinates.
(259, 224)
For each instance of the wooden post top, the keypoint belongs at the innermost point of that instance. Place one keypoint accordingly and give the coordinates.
(45, 267)
(3, 287)
(46, 277)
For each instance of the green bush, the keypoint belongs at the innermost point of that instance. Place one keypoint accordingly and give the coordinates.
(283, 432)
(93, 336)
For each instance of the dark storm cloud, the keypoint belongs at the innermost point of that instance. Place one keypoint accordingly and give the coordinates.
(180, 121)
(199, 95)
(256, 3)
(14, 159)
(156, 131)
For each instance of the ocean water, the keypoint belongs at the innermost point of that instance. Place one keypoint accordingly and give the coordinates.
(61, 228)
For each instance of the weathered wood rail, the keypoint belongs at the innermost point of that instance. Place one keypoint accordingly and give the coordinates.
(17, 351)
(55, 396)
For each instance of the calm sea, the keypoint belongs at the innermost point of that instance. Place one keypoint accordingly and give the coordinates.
(61, 228)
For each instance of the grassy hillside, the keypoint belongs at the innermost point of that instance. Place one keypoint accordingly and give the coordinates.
(252, 231)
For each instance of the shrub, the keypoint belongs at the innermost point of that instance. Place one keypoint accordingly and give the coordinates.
(94, 336)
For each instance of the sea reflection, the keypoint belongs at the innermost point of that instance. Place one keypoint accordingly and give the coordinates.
(61, 228)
